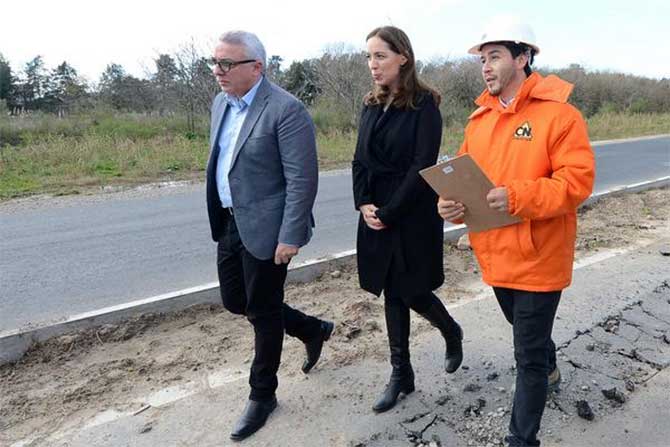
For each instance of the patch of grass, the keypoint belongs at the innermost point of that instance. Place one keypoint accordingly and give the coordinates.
(13, 185)
(335, 148)
(24, 130)
(107, 168)
(142, 127)
(60, 163)
(44, 154)
(612, 125)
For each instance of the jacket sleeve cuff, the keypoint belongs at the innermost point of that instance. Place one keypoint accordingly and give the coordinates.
(511, 200)
(384, 215)
(295, 238)
(362, 200)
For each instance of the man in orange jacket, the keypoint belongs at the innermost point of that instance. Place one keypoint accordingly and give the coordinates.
(535, 148)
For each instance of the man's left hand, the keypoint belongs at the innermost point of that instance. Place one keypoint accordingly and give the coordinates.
(497, 199)
(284, 253)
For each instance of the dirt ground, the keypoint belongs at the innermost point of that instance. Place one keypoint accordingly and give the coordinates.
(101, 367)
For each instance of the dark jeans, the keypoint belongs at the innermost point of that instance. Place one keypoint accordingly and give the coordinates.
(532, 317)
(255, 288)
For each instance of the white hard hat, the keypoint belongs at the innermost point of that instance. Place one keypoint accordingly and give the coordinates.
(506, 29)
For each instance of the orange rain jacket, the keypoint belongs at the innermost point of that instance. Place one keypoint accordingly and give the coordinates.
(538, 147)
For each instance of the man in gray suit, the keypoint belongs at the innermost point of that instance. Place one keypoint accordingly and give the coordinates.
(262, 179)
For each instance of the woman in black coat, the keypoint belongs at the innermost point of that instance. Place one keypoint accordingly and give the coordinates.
(400, 234)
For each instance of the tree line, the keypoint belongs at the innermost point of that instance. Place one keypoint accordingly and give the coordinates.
(332, 86)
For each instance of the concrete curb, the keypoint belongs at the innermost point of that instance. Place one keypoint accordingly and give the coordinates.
(627, 140)
(660, 182)
(14, 344)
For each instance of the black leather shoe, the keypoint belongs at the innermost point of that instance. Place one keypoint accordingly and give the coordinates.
(314, 347)
(253, 418)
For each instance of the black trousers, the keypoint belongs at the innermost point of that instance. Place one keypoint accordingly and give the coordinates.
(255, 288)
(531, 315)
(396, 310)
(419, 303)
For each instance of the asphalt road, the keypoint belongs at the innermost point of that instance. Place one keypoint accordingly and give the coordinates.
(59, 261)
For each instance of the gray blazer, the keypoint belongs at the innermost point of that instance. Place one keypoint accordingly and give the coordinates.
(273, 175)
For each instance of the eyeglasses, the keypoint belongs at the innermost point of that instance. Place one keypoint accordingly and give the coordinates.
(225, 65)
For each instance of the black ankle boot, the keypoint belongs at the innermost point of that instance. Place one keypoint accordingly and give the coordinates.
(454, 355)
(400, 382)
(439, 317)
(402, 377)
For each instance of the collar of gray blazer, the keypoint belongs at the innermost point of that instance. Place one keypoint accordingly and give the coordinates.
(255, 109)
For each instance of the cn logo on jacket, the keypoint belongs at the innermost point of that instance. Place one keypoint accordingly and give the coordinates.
(523, 132)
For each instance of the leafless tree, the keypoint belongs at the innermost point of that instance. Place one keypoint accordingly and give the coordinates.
(196, 86)
(343, 79)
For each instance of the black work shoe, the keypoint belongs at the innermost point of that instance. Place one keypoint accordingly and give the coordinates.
(454, 354)
(554, 380)
(314, 347)
(253, 418)
(395, 387)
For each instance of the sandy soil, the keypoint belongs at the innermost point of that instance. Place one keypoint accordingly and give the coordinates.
(105, 366)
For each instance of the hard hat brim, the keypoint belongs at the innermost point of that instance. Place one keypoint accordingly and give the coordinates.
(475, 50)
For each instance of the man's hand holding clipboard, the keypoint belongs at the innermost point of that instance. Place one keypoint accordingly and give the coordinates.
(460, 180)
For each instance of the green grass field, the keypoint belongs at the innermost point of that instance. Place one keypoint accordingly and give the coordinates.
(43, 154)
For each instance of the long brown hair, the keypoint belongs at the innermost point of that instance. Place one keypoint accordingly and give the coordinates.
(409, 85)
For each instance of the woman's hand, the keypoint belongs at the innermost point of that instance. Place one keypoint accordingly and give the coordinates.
(370, 218)
(450, 210)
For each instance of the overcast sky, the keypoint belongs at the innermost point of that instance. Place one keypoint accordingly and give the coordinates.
(625, 36)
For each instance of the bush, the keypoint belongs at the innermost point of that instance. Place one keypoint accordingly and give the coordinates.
(608, 107)
(640, 105)
(331, 116)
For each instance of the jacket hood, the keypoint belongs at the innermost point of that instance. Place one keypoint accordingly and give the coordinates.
(550, 88)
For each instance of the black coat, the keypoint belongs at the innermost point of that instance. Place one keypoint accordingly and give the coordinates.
(393, 146)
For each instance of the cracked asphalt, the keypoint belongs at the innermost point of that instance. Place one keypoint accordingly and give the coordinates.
(602, 367)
